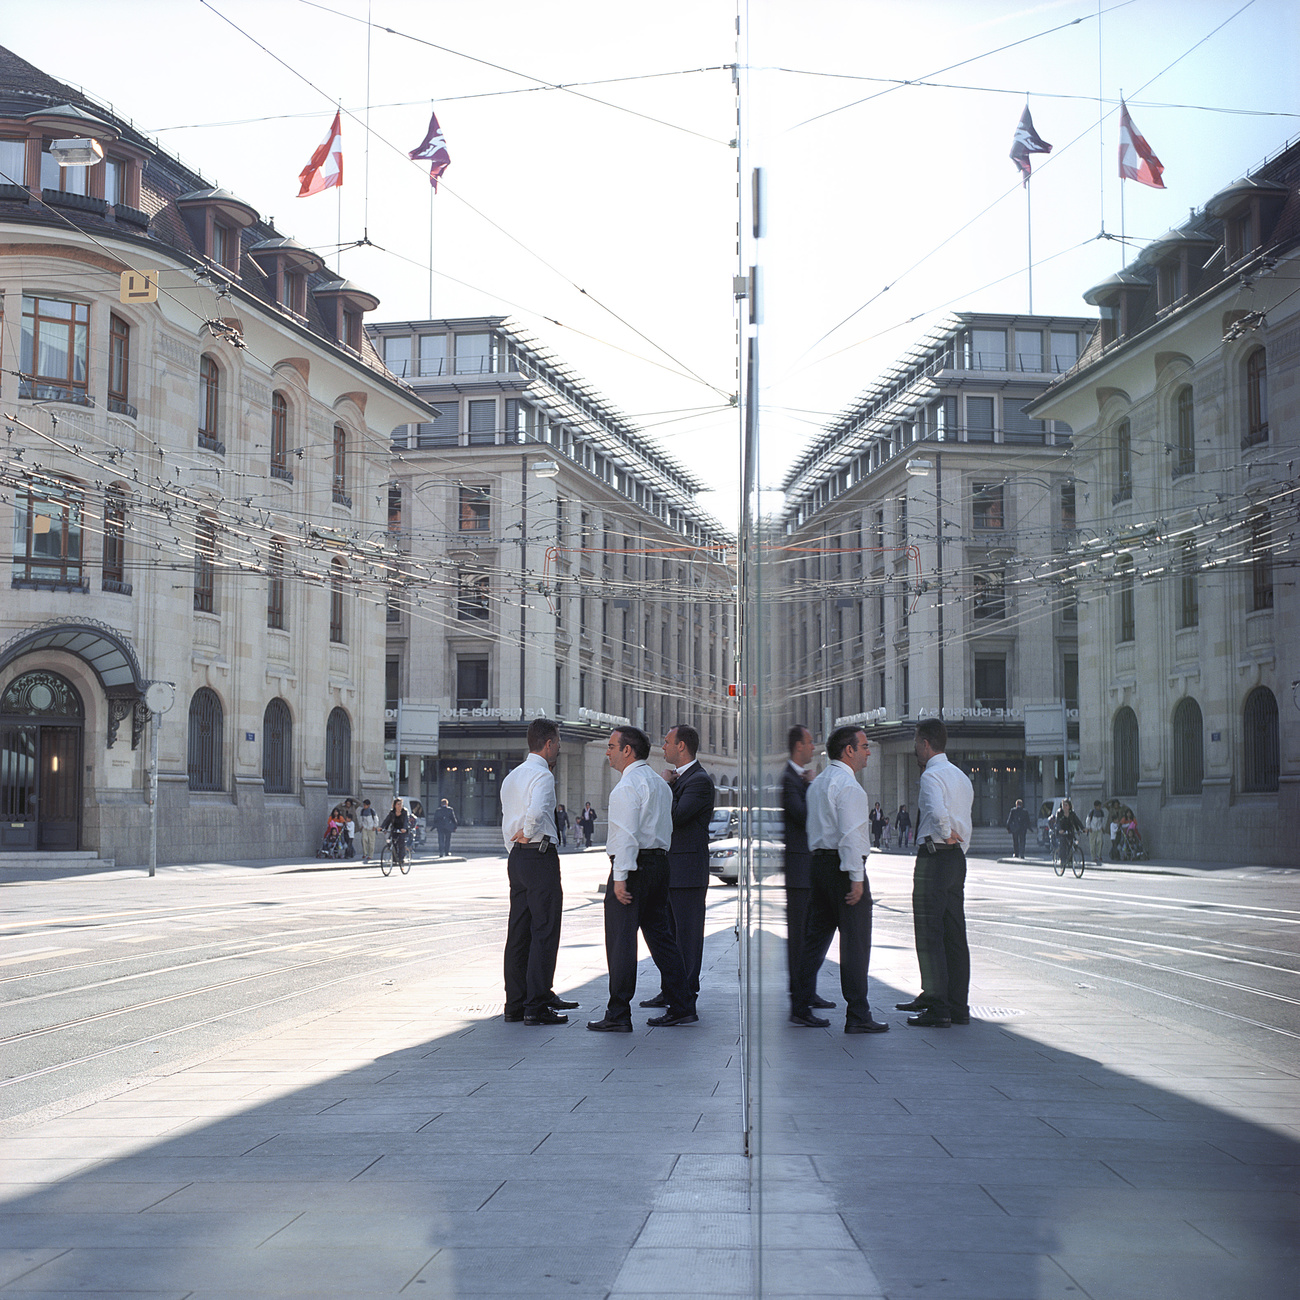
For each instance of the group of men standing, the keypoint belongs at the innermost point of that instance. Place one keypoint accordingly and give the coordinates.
(658, 844)
(827, 829)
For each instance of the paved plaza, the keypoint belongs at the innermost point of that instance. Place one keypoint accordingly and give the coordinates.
(1071, 1142)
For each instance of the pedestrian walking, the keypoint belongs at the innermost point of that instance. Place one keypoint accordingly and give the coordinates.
(368, 821)
(533, 869)
(636, 894)
(444, 822)
(562, 825)
(1019, 823)
(943, 829)
(587, 824)
(838, 834)
(797, 861)
(1097, 826)
(688, 851)
(877, 823)
(904, 823)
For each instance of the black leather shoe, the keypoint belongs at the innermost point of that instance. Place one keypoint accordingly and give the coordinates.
(559, 1004)
(822, 1004)
(608, 1026)
(668, 1020)
(929, 1019)
(867, 1027)
(513, 1017)
(960, 1017)
(657, 1001)
(545, 1017)
(916, 1004)
(808, 1020)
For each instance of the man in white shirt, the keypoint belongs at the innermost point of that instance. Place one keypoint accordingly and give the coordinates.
(943, 827)
(839, 837)
(636, 896)
(536, 896)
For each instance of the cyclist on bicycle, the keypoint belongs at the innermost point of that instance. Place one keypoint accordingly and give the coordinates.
(1068, 828)
(398, 825)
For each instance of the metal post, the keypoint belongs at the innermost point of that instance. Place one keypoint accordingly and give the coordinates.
(1065, 745)
(397, 766)
(938, 562)
(523, 586)
(156, 720)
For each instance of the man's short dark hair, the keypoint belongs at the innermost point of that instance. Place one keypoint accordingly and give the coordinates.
(795, 736)
(689, 737)
(635, 739)
(540, 730)
(934, 733)
(839, 740)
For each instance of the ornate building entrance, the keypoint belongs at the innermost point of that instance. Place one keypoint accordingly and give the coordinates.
(41, 738)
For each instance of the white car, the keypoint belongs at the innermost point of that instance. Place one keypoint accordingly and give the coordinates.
(761, 837)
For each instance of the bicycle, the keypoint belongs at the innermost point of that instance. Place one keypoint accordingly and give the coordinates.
(388, 854)
(1069, 854)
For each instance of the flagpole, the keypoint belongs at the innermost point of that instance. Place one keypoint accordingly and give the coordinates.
(431, 252)
(1029, 240)
(1101, 132)
(1123, 227)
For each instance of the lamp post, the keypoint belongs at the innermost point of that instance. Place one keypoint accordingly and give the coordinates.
(158, 698)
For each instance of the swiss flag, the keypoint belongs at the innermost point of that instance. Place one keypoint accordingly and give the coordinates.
(326, 166)
(1137, 162)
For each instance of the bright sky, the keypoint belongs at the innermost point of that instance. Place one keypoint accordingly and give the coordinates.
(557, 207)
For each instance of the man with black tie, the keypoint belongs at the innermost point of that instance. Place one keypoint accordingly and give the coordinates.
(798, 858)
(839, 817)
(536, 896)
(636, 896)
(688, 854)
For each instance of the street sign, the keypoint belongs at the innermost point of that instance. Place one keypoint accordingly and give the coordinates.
(1044, 725)
(138, 286)
(417, 728)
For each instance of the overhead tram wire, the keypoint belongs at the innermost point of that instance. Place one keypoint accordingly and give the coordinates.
(975, 58)
(542, 83)
(207, 4)
(442, 99)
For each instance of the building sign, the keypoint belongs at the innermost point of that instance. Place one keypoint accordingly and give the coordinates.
(598, 719)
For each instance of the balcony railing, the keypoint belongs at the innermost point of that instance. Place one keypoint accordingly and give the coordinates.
(283, 474)
(210, 442)
(341, 498)
(41, 390)
(120, 406)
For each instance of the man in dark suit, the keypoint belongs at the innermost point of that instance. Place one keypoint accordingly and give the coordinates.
(688, 855)
(798, 858)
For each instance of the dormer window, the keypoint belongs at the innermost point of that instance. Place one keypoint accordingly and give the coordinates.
(115, 172)
(1170, 283)
(294, 289)
(214, 219)
(13, 161)
(1240, 236)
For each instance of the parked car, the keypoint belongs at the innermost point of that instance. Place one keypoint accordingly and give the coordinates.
(760, 835)
(725, 821)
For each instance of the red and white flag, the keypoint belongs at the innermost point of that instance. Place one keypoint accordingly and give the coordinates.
(326, 166)
(1137, 162)
(433, 148)
(1027, 141)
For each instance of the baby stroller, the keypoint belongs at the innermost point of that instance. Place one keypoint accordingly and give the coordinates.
(334, 843)
(1129, 846)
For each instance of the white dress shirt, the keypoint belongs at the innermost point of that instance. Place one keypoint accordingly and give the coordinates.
(640, 816)
(838, 816)
(945, 803)
(528, 802)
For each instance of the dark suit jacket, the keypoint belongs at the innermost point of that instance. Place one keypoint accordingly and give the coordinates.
(794, 803)
(688, 855)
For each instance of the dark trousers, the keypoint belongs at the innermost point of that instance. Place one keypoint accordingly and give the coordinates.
(533, 932)
(827, 913)
(1018, 844)
(649, 913)
(939, 919)
(687, 907)
(796, 920)
(444, 842)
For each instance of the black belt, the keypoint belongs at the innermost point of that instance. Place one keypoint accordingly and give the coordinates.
(647, 856)
(827, 855)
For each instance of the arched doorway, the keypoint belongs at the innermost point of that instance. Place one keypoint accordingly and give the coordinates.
(42, 724)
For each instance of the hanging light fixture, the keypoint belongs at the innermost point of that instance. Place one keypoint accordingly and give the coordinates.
(76, 152)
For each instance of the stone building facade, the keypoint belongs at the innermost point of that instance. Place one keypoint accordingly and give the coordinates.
(1186, 409)
(193, 485)
(557, 564)
(922, 571)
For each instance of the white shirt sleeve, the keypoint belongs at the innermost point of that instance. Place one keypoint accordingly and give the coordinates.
(624, 816)
(854, 813)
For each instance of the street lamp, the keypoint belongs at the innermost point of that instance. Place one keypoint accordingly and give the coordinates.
(76, 153)
(919, 466)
